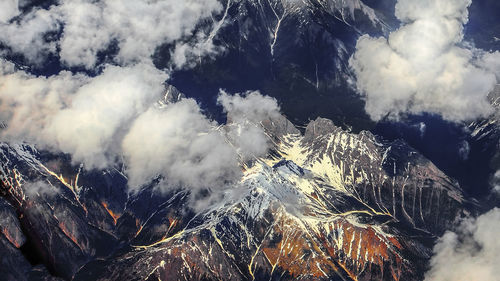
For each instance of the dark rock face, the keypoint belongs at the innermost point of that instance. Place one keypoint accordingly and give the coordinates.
(13, 265)
(485, 150)
(53, 211)
(325, 205)
(467, 152)
(295, 51)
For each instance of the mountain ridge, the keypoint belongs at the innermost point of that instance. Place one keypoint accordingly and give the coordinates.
(313, 186)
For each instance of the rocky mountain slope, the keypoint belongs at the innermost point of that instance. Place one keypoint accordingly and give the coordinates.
(294, 50)
(323, 205)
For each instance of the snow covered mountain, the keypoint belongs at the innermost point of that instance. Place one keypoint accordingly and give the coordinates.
(323, 205)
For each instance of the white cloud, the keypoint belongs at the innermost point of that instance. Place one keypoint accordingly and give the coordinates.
(92, 127)
(495, 184)
(26, 36)
(491, 62)
(39, 188)
(8, 10)
(89, 27)
(138, 26)
(251, 106)
(27, 103)
(85, 117)
(470, 253)
(464, 150)
(186, 54)
(422, 127)
(181, 144)
(245, 112)
(423, 67)
(496, 190)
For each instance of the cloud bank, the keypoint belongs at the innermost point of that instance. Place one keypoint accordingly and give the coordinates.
(78, 31)
(424, 66)
(75, 114)
(115, 117)
(470, 253)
